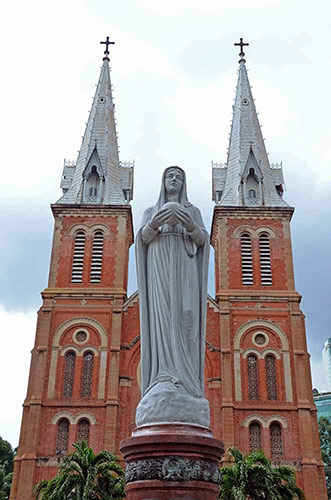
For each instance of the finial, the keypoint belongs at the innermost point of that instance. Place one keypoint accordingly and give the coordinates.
(107, 43)
(241, 44)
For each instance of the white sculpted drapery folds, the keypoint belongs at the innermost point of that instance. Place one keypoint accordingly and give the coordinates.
(172, 260)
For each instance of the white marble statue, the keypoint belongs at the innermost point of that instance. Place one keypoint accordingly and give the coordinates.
(172, 252)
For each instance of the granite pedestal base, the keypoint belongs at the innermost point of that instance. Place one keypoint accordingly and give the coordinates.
(172, 461)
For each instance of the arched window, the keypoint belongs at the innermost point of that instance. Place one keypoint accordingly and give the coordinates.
(276, 442)
(252, 193)
(255, 437)
(92, 191)
(88, 360)
(97, 253)
(246, 259)
(253, 377)
(265, 260)
(69, 374)
(83, 433)
(270, 364)
(62, 437)
(78, 259)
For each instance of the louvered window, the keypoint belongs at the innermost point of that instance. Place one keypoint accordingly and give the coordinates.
(253, 377)
(276, 442)
(88, 360)
(69, 374)
(265, 260)
(97, 253)
(78, 259)
(270, 363)
(62, 436)
(246, 259)
(83, 430)
(255, 437)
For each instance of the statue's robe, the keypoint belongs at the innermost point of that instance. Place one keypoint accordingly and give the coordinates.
(172, 269)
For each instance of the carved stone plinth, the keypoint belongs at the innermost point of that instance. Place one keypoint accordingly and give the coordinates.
(172, 461)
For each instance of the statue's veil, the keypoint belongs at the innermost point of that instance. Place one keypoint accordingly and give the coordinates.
(183, 200)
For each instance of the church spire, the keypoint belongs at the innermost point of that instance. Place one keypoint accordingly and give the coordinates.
(96, 176)
(247, 179)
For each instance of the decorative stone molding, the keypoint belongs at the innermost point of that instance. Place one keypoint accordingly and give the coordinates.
(80, 321)
(264, 421)
(261, 325)
(89, 230)
(127, 347)
(80, 342)
(70, 348)
(256, 334)
(89, 348)
(271, 351)
(172, 469)
(255, 233)
(73, 419)
(251, 350)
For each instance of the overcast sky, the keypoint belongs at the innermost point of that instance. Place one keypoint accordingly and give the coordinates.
(174, 71)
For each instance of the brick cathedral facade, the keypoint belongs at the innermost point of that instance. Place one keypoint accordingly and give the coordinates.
(85, 370)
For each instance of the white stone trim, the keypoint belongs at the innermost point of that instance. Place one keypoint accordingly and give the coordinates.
(78, 227)
(265, 421)
(63, 414)
(73, 419)
(70, 348)
(271, 351)
(52, 372)
(261, 333)
(277, 418)
(254, 418)
(267, 230)
(255, 233)
(74, 336)
(251, 350)
(89, 348)
(261, 323)
(102, 373)
(242, 330)
(100, 227)
(80, 321)
(91, 418)
(243, 229)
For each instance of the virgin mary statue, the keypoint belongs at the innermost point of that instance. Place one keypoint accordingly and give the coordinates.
(172, 253)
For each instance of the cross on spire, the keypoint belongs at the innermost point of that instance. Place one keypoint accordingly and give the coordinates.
(107, 43)
(241, 44)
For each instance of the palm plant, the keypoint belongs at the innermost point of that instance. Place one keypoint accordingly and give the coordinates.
(85, 476)
(255, 478)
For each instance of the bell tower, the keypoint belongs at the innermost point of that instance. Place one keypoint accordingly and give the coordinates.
(267, 400)
(74, 375)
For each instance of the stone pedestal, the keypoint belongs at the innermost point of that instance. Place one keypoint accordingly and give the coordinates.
(172, 461)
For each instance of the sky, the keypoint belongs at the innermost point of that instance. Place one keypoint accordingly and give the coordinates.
(174, 71)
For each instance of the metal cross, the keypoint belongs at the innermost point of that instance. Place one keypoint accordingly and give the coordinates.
(241, 44)
(107, 43)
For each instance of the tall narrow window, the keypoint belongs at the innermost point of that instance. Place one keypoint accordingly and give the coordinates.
(96, 262)
(83, 430)
(69, 373)
(270, 363)
(78, 259)
(255, 439)
(265, 260)
(253, 377)
(62, 436)
(246, 259)
(88, 360)
(276, 442)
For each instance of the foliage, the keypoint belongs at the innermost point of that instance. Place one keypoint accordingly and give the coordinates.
(6, 468)
(324, 427)
(255, 478)
(85, 476)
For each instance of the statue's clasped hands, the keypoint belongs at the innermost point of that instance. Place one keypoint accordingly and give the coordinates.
(165, 216)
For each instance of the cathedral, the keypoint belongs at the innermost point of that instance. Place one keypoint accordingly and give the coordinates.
(84, 381)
